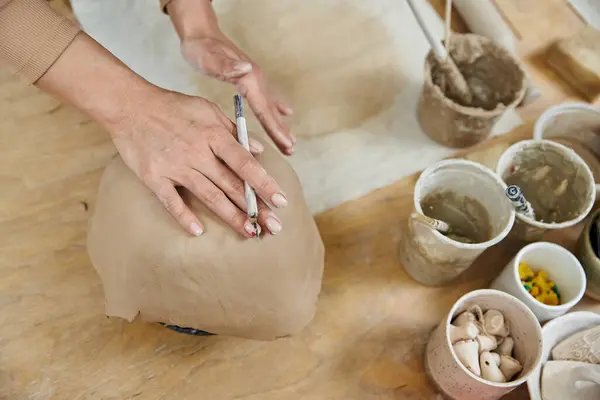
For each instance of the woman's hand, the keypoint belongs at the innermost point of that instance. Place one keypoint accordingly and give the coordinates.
(208, 50)
(176, 140)
(168, 139)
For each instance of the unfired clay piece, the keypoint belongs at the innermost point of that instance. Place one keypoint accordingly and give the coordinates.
(467, 352)
(495, 77)
(489, 368)
(583, 346)
(219, 282)
(566, 380)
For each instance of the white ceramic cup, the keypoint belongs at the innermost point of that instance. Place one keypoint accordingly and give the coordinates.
(434, 259)
(455, 381)
(527, 228)
(574, 121)
(562, 267)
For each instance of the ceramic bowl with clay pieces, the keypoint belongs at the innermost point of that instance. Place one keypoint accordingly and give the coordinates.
(553, 333)
(452, 378)
(587, 252)
(531, 229)
(562, 267)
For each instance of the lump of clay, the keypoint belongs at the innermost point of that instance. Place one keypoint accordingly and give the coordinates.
(489, 368)
(510, 366)
(466, 331)
(467, 352)
(219, 282)
(583, 346)
(494, 323)
(563, 380)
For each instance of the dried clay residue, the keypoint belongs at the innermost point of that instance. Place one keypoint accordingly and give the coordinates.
(491, 73)
(468, 219)
(556, 187)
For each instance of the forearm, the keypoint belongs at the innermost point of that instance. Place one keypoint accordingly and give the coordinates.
(193, 18)
(89, 77)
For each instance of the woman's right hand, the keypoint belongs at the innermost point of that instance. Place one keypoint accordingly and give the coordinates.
(168, 139)
(177, 140)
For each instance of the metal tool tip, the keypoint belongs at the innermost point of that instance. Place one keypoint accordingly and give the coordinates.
(239, 108)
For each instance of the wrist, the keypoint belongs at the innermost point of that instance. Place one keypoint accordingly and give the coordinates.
(193, 18)
(87, 76)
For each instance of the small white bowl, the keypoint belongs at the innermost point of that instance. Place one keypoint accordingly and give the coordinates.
(562, 267)
(553, 333)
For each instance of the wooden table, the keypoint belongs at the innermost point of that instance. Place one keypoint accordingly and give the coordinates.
(366, 341)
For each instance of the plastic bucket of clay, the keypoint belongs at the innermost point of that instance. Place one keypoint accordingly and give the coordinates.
(446, 371)
(433, 258)
(577, 126)
(558, 157)
(501, 83)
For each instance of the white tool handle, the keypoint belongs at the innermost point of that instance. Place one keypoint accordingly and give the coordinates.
(438, 49)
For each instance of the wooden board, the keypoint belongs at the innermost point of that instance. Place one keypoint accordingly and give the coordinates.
(366, 341)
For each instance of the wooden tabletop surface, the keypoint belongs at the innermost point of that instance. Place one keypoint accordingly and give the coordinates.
(366, 341)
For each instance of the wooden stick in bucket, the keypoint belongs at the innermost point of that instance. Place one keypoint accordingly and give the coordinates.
(458, 84)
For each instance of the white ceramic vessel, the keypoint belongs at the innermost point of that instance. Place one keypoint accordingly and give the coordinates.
(553, 333)
(452, 378)
(562, 267)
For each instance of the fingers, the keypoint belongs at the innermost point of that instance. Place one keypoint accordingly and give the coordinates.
(266, 111)
(210, 58)
(256, 147)
(270, 221)
(172, 201)
(283, 108)
(245, 166)
(233, 187)
(216, 201)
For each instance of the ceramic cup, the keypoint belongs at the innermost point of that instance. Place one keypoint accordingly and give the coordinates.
(454, 380)
(589, 260)
(576, 125)
(527, 228)
(455, 125)
(434, 259)
(562, 267)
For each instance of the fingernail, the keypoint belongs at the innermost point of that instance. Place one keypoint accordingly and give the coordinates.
(279, 200)
(293, 139)
(242, 66)
(256, 146)
(195, 228)
(287, 110)
(273, 225)
(248, 227)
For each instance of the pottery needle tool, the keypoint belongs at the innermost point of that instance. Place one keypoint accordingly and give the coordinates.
(516, 197)
(242, 136)
(456, 81)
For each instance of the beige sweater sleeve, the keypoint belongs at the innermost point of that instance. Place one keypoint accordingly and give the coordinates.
(32, 37)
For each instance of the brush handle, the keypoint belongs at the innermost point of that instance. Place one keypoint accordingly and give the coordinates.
(436, 224)
(438, 49)
(242, 136)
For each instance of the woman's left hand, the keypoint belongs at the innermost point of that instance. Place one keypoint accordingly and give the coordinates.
(218, 57)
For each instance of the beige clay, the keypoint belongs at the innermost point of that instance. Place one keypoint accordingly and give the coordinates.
(219, 282)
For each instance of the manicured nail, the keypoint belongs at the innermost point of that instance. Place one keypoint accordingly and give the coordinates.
(195, 228)
(279, 200)
(242, 67)
(287, 110)
(248, 227)
(273, 225)
(256, 146)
